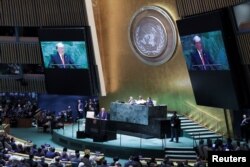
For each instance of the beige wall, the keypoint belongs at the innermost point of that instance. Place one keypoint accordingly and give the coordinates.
(125, 75)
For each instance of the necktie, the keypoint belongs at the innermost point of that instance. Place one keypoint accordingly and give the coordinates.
(202, 60)
(63, 62)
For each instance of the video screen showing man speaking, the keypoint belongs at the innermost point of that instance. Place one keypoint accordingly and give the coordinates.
(205, 51)
(64, 55)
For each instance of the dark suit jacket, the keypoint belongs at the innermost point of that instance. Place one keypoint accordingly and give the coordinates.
(196, 63)
(175, 121)
(102, 116)
(56, 62)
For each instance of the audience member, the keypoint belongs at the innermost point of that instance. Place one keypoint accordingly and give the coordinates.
(129, 162)
(186, 164)
(50, 153)
(42, 162)
(166, 162)
(115, 159)
(30, 161)
(86, 160)
(104, 163)
(76, 159)
(199, 163)
(57, 162)
(64, 155)
(152, 162)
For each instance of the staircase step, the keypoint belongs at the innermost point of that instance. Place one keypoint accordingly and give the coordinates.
(191, 127)
(189, 124)
(192, 130)
(196, 130)
(202, 133)
(183, 118)
(186, 121)
(207, 136)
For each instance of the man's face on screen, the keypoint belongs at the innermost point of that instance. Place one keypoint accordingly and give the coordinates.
(60, 50)
(198, 45)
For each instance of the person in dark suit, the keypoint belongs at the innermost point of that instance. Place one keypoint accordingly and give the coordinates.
(102, 114)
(149, 102)
(61, 59)
(245, 127)
(80, 109)
(200, 58)
(175, 127)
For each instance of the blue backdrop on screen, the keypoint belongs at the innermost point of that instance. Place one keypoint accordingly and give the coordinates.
(58, 103)
(212, 43)
(75, 49)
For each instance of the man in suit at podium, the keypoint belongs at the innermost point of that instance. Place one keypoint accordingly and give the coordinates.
(61, 59)
(200, 58)
(102, 114)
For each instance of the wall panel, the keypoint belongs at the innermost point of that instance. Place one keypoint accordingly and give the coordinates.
(191, 7)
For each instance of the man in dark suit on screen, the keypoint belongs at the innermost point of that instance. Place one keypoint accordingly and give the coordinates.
(61, 59)
(200, 58)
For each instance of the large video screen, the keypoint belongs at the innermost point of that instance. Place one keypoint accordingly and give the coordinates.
(205, 51)
(65, 55)
(212, 58)
(68, 60)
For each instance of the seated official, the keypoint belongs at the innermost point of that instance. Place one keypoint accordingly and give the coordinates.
(149, 102)
(102, 114)
(131, 100)
(140, 101)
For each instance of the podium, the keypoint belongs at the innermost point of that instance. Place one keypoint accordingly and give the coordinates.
(99, 130)
(140, 120)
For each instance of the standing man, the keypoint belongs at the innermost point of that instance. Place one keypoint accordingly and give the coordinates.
(175, 127)
(69, 114)
(245, 126)
(80, 109)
